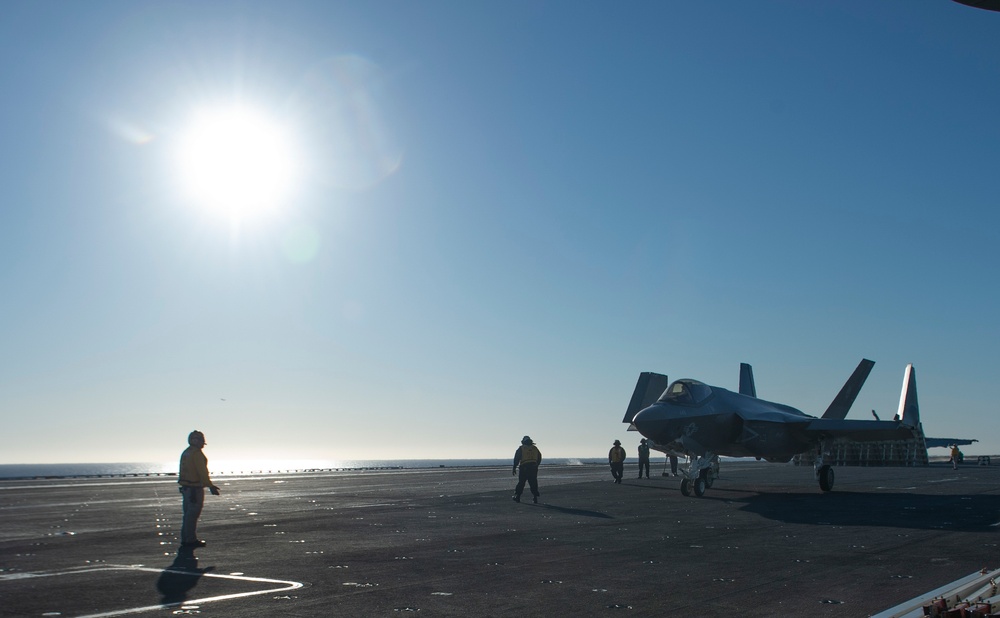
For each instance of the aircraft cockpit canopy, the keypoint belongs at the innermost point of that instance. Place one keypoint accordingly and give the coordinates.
(689, 392)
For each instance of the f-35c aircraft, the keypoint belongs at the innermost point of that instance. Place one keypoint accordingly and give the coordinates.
(703, 421)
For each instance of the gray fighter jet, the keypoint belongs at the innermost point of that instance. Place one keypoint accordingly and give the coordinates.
(704, 422)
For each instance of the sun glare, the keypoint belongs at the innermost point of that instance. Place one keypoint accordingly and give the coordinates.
(237, 162)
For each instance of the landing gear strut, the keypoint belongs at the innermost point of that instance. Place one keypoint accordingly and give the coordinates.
(700, 474)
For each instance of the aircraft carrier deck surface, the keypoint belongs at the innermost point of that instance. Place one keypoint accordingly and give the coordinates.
(764, 541)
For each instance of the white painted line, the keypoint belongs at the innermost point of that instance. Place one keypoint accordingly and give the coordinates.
(282, 586)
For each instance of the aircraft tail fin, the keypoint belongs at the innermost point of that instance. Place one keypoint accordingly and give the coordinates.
(909, 409)
(747, 387)
(842, 403)
(647, 390)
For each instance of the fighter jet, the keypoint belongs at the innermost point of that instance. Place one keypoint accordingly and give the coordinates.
(704, 422)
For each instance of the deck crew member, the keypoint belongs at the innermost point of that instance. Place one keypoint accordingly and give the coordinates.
(193, 479)
(527, 457)
(616, 457)
(643, 457)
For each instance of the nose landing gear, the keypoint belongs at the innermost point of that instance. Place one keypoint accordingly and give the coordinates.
(700, 475)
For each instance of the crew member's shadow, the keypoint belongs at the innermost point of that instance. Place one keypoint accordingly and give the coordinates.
(579, 512)
(180, 577)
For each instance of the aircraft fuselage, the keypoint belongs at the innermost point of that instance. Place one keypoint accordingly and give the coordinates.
(728, 423)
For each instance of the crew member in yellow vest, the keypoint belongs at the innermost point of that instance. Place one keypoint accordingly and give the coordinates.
(193, 479)
(527, 457)
(616, 457)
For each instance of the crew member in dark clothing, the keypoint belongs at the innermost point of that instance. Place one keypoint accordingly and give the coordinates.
(527, 456)
(643, 457)
(616, 457)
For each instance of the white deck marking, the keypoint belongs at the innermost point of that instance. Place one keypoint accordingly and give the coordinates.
(282, 586)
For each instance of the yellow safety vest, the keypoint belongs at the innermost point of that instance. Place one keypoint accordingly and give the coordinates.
(529, 454)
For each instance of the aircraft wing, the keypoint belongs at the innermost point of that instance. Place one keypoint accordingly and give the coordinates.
(939, 442)
(858, 431)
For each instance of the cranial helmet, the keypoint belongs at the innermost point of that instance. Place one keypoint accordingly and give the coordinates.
(526, 440)
(618, 443)
(195, 434)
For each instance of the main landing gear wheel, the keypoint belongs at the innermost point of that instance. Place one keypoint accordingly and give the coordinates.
(685, 487)
(709, 479)
(826, 478)
(700, 485)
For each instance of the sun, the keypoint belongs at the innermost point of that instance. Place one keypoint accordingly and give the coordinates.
(237, 162)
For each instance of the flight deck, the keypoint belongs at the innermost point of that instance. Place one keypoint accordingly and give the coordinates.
(765, 541)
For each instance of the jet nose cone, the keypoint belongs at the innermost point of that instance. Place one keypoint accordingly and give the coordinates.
(656, 423)
(645, 420)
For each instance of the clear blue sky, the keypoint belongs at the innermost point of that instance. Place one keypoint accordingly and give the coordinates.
(501, 214)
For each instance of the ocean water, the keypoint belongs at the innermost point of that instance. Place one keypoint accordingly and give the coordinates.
(245, 467)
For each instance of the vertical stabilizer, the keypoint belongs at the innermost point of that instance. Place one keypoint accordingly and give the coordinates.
(647, 390)
(909, 409)
(747, 387)
(842, 403)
